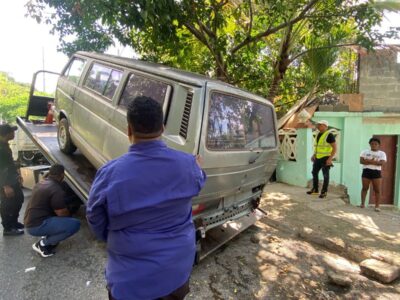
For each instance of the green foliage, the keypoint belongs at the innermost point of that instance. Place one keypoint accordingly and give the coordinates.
(259, 45)
(13, 98)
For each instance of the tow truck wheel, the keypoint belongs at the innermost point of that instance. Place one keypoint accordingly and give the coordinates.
(64, 138)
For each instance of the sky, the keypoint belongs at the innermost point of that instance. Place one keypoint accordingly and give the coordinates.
(27, 46)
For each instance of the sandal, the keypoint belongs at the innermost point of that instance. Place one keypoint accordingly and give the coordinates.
(377, 209)
(361, 206)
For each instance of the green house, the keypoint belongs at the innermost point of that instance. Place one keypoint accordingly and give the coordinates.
(375, 111)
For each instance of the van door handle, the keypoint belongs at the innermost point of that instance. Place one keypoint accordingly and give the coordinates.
(253, 159)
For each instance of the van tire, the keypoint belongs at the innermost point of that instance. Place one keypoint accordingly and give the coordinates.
(64, 138)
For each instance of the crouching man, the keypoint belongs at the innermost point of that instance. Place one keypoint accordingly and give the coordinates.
(47, 215)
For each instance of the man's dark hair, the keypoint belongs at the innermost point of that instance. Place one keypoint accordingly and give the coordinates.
(374, 140)
(145, 115)
(56, 170)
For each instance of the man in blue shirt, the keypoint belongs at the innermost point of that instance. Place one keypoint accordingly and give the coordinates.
(140, 204)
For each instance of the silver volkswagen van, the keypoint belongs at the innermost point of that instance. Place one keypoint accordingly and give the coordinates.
(233, 130)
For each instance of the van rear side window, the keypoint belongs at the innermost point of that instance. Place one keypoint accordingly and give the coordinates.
(141, 86)
(239, 124)
(104, 80)
(74, 70)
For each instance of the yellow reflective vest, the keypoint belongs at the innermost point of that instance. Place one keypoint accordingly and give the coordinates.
(322, 148)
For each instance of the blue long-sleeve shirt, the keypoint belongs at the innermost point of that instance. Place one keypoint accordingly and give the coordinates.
(141, 205)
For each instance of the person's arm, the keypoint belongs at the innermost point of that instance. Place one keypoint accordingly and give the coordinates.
(199, 174)
(333, 153)
(96, 213)
(64, 212)
(365, 161)
(58, 205)
(382, 160)
(5, 185)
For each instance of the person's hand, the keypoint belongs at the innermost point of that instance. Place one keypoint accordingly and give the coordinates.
(8, 191)
(329, 161)
(199, 160)
(313, 158)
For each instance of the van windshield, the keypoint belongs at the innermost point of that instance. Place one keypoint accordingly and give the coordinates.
(239, 124)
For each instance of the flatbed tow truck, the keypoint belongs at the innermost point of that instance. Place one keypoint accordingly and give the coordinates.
(79, 172)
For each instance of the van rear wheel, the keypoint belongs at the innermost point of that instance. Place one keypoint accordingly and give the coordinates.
(64, 138)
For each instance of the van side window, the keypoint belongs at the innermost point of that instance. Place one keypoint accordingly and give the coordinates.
(237, 124)
(74, 71)
(141, 86)
(104, 80)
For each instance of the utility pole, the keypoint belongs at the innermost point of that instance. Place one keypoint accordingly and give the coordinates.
(44, 84)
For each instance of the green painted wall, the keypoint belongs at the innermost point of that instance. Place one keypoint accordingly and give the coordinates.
(356, 129)
(293, 172)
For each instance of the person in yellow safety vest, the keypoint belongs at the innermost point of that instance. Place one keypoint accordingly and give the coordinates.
(324, 152)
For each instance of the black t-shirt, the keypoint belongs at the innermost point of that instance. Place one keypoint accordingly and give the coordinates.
(47, 196)
(329, 139)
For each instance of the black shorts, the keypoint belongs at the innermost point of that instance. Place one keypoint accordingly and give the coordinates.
(371, 174)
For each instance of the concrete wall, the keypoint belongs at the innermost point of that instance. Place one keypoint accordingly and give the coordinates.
(380, 81)
(356, 129)
(298, 172)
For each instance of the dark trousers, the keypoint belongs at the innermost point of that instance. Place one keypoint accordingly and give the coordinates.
(10, 207)
(55, 229)
(317, 166)
(178, 294)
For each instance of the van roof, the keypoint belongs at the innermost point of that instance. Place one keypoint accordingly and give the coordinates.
(159, 69)
(168, 72)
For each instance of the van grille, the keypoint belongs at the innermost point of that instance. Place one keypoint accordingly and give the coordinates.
(186, 115)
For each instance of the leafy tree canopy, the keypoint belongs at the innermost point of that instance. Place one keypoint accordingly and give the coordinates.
(13, 98)
(255, 44)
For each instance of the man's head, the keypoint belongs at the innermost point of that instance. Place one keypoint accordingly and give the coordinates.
(145, 119)
(375, 143)
(56, 172)
(322, 125)
(7, 132)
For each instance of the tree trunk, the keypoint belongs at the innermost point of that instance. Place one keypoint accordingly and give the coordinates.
(281, 65)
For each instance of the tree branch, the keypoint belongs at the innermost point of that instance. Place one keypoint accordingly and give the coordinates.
(251, 19)
(199, 35)
(207, 30)
(270, 31)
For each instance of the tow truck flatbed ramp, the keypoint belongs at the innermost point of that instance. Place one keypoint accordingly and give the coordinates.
(79, 174)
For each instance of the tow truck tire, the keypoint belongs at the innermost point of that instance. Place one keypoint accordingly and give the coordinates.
(64, 138)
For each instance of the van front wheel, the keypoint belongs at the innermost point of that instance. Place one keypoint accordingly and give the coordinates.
(64, 138)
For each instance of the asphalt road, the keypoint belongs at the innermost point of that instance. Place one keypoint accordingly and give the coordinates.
(75, 272)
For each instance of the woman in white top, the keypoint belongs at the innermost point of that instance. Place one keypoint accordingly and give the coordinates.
(372, 161)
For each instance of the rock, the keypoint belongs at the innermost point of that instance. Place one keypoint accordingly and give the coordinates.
(379, 270)
(255, 239)
(339, 279)
(387, 256)
(357, 253)
(332, 243)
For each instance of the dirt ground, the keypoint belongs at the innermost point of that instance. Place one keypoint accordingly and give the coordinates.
(270, 260)
(275, 262)
(264, 263)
